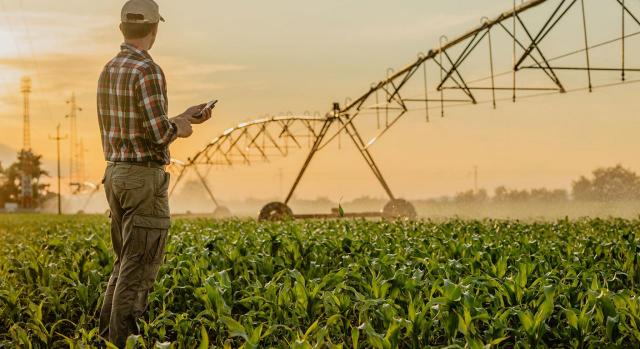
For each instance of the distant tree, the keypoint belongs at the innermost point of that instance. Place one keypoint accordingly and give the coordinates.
(519, 195)
(608, 184)
(320, 200)
(28, 164)
(546, 195)
(583, 189)
(502, 194)
(471, 196)
(366, 199)
(366, 202)
(437, 200)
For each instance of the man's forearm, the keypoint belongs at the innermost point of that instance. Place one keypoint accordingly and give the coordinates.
(181, 126)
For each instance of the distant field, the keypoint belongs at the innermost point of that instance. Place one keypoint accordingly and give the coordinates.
(529, 211)
(333, 284)
(532, 210)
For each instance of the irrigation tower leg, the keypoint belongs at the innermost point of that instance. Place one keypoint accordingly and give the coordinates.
(206, 186)
(368, 158)
(312, 153)
(175, 184)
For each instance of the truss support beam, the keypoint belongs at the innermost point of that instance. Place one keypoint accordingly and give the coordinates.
(539, 65)
(206, 186)
(368, 158)
(546, 68)
(626, 9)
(183, 170)
(314, 149)
(544, 31)
(435, 52)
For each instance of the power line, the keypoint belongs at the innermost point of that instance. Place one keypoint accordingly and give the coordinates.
(58, 138)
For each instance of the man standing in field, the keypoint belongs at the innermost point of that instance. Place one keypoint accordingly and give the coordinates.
(136, 134)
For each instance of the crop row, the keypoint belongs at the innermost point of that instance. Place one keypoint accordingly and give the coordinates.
(334, 284)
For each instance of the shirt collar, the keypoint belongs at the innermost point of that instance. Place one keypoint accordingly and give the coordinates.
(135, 50)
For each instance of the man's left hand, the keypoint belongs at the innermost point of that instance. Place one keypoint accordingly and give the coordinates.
(190, 114)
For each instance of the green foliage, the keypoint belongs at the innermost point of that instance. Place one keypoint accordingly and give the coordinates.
(502, 194)
(608, 184)
(333, 284)
(28, 164)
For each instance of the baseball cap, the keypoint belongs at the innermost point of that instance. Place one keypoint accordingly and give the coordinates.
(141, 11)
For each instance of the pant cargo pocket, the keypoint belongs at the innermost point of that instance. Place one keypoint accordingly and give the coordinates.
(152, 232)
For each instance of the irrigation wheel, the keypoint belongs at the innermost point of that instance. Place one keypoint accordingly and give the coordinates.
(399, 208)
(275, 211)
(221, 212)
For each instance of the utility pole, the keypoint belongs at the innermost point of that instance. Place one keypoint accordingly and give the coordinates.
(26, 180)
(57, 138)
(73, 146)
(25, 88)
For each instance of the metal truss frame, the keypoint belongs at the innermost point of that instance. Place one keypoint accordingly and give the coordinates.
(526, 54)
(523, 37)
(251, 142)
(267, 138)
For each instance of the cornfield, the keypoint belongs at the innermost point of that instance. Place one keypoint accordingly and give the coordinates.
(333, 284)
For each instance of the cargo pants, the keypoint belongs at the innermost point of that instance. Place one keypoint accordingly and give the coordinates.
(140, 220)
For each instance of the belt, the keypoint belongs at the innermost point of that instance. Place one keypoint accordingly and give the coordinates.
(149, 164)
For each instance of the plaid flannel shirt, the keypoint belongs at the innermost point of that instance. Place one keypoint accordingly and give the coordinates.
(132, 109)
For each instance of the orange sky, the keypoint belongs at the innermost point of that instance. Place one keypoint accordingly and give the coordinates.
(259, 58)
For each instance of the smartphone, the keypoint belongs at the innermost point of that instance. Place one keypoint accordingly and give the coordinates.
(209, 105)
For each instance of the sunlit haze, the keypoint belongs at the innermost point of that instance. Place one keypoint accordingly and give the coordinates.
(266, 57)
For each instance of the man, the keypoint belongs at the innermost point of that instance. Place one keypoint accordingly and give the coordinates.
(136, 134)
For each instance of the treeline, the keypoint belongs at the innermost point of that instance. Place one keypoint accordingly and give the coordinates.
(605, 184)
(608, 184)
(503, 194)
(26, 170)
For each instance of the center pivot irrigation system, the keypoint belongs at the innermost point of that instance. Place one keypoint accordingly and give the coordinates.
(536, 48)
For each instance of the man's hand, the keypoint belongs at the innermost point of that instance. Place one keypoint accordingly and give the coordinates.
(190, 114)
(183, 125)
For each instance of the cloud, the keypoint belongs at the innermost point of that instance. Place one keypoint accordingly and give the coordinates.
(57, 70)
(36, 33)
(61, 73)
(64, 53)
(191, 69)
(62, 58)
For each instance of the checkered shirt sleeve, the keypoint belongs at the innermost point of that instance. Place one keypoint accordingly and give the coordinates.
(152, 103)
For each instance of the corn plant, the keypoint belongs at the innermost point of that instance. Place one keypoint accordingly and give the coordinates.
(333, 284)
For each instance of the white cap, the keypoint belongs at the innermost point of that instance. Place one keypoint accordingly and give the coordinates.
(141, 11)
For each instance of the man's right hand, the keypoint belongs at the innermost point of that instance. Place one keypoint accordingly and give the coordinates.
(184, 127)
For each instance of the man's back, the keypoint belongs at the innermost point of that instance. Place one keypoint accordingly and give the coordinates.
(132, 109)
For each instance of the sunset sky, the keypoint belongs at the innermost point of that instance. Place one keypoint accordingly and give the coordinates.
(266, 57)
